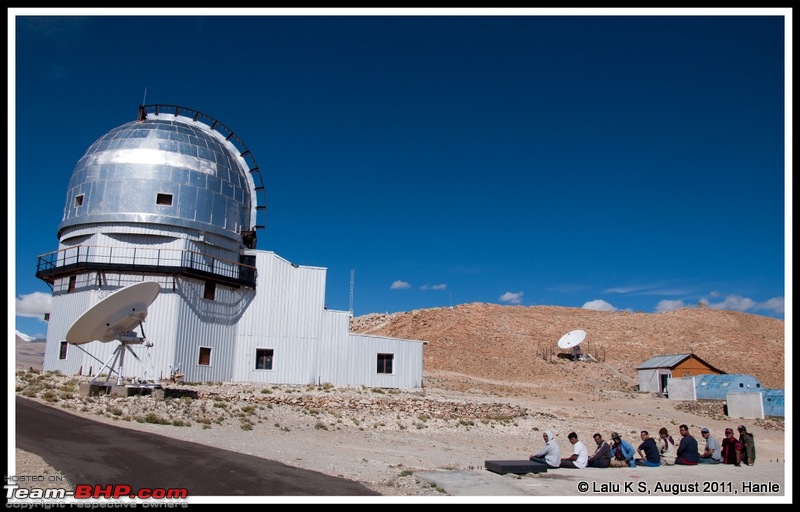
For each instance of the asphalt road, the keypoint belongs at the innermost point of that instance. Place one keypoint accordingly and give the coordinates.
(94, 453)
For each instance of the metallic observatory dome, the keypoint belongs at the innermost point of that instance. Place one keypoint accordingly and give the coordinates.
(172, 166)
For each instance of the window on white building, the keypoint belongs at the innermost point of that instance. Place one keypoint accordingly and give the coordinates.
(205, 356)
(264, 358)
(385, 363)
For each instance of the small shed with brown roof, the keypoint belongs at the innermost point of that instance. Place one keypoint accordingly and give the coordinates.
(654, 373)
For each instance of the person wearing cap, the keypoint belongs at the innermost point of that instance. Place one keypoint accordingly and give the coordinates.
(687, 454)
(622, 452)
(550, 454)
(748, 445)
(713, 452)
(731, 449)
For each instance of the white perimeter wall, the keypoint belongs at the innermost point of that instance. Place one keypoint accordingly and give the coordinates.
(682, 388)
(745, 405)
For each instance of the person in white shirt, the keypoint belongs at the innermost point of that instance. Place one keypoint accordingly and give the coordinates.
(667, 447)
(550, 454)
(580, 454)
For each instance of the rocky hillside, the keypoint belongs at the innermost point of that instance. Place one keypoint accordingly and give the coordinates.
(516, 346)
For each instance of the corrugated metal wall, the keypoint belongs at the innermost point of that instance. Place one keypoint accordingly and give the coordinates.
(87, 359)
(64, 310)
(159, 328)
(288, 301)
(352, 359)
(286, 313)
(207, 324)
(361, 367)
(313, 345)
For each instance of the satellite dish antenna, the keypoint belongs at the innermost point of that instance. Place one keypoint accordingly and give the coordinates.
(115, 318)
(572, 339)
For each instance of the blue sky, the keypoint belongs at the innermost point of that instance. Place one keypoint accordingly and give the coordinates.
(610, 162)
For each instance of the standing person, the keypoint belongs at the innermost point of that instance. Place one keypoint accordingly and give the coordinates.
(731, 449)
(667, 447)
(687, 454)
(622, 452)
(550, 454)
(713, 452)
(580, 454)
(602, 455)
(648, 451)
(748, 445)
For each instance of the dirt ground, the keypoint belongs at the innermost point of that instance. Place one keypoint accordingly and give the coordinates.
(431, 444)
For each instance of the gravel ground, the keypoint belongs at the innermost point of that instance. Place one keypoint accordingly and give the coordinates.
(382, 438)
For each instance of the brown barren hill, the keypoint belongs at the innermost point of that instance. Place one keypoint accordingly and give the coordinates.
(503, 348)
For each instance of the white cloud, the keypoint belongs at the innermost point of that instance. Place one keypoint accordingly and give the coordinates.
(669, 305)
(734, 302)
(628, 289)
(648, 289)
(775, 304)
(739, 303)
(599, 305)
(513, 298)
(433, 287)
(33, 305)
(400, 285)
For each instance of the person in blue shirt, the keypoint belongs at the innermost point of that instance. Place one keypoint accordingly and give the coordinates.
(687, 454)
(622, 452)
(648, 451)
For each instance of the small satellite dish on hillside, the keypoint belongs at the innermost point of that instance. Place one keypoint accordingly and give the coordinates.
(115, 318)
(572, 339)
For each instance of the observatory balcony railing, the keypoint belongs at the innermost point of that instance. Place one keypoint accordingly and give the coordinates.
(86, 258)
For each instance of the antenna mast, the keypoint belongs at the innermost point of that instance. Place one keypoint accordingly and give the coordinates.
(352, 287)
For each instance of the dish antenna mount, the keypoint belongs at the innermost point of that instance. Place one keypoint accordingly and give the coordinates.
(571, 340)
(115, 318)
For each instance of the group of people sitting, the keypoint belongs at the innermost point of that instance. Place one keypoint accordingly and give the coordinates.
(651, 452)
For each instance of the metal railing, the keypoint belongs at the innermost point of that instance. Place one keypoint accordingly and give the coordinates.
(84, 258)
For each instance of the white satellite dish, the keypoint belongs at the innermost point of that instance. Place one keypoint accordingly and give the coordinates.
(572, 339)
(115, 318)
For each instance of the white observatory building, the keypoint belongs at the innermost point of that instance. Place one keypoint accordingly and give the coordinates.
(176, 198)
